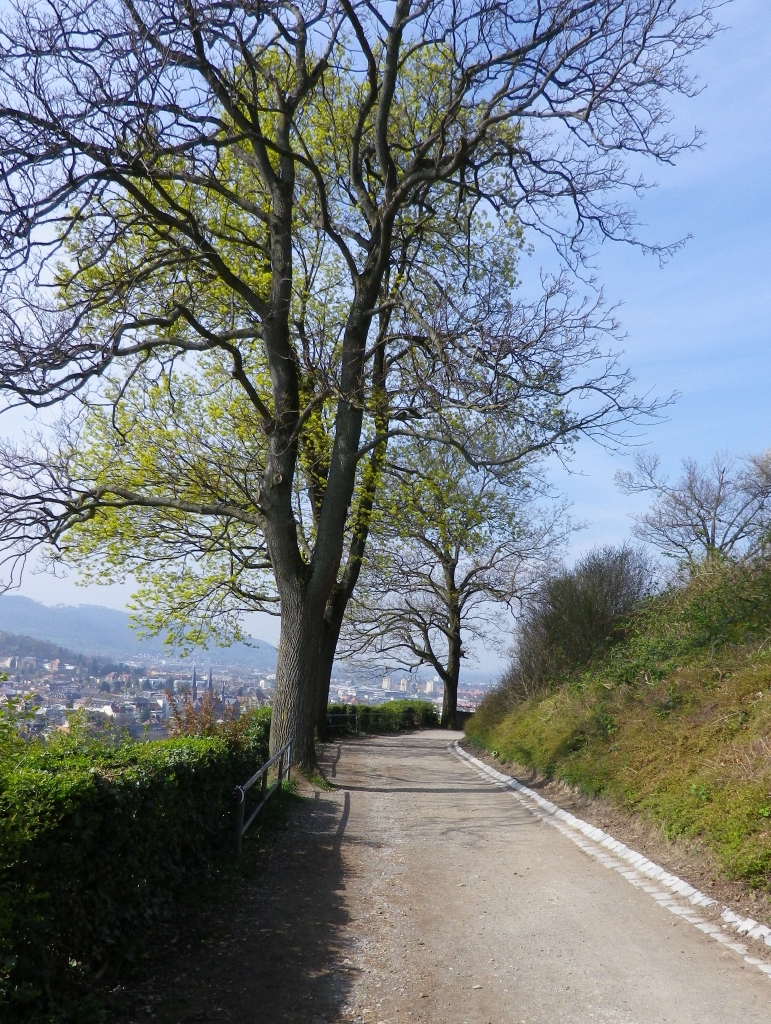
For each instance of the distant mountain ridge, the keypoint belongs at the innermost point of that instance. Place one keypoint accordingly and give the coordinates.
(17, 645)
(93, 629)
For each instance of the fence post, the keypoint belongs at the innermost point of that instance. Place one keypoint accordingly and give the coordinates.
(280, 769)
(241, 797)
(289, 762)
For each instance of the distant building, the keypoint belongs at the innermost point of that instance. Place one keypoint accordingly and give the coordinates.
(386, 682)
(157, 709)
(434, 685)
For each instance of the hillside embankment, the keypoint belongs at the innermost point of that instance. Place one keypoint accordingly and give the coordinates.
(671, 725)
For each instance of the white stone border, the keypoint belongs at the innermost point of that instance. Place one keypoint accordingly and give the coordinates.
(636, 868)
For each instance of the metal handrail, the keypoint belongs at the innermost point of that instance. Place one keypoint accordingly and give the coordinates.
(352, 720)
(239, 792)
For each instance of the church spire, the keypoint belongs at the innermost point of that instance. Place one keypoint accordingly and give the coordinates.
(195, 686)
(210, 685)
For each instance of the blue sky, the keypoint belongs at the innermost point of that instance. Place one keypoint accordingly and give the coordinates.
(701, 325)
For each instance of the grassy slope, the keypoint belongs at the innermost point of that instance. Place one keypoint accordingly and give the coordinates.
(675, 725)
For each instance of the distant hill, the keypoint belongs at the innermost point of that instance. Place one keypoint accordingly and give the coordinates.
(92, 629)
(20, 646)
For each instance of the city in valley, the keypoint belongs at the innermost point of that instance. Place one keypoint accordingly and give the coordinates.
(138, 696)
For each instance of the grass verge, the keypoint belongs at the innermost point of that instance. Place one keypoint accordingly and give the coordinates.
(674, 725)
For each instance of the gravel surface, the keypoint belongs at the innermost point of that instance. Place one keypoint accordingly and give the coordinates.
(417, 891)
(684, 856)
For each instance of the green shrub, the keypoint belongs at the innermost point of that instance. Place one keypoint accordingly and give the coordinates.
(97, 839)
(575, 616)
(722, 603)
(730, 601)
(389, 717)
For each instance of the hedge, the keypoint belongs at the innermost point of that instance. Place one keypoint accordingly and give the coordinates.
(389, 717)
(97, 839)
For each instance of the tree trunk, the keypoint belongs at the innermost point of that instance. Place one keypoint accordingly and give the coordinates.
(341, 595)
(452, 673)
(326, 660)
(450, 702)
(307, 646)
(294, 704)
(333, 623)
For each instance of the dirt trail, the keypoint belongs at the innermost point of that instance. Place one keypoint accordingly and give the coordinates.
(417, 891)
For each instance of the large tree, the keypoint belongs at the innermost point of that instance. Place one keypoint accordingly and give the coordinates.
(135, 255)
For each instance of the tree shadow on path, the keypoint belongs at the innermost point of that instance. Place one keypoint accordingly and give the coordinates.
(269, 947)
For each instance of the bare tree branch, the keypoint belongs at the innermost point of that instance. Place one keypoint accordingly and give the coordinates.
(721, 508)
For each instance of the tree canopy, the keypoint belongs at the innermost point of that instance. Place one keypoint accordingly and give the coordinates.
(269, 214)
(721, 509)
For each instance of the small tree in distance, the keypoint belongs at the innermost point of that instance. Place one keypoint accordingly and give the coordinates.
(721, 509)
(453, 547)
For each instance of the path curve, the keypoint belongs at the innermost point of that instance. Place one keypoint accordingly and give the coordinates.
(418, 889)
(465, 907)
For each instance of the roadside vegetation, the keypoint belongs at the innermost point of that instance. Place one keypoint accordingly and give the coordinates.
(100, 837)
(665, 710)
(390, 717)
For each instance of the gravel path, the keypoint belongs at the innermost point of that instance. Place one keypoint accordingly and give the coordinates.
(464, 907)
(418, 891)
